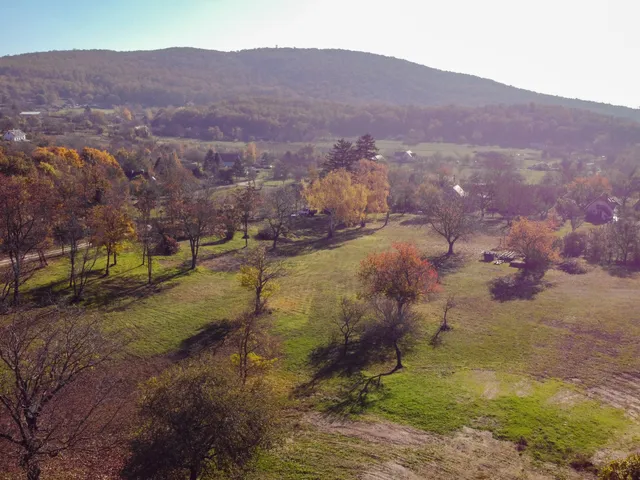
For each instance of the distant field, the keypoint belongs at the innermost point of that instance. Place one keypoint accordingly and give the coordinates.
(553, 370)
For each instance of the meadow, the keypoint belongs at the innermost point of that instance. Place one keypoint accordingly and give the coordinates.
(551, 373)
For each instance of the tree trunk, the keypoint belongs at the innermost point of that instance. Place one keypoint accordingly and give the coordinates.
(331, 226)
(115, 258)
(108, 261)
(386, 219)
(398, 357)
(193, 473)
(275, 241)
(32, 467)
(16, 280)
(450, 251)
(149, 268)
(144, 253)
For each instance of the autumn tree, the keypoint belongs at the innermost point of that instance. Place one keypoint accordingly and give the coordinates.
(279, 205)
(366, 148)
(147, 200)
(199, 419)
(451, 218)
(397, 279)
(27, 216)
(248, 200)
(336, 193)
(341, 157)
(350, 321)
(43, 357)
(535, 241)
(583, 190)
(568, 209)
(111, 226)
(625, 234)
(375, 178)
(253, 346)
(195, 216)
(260, 275)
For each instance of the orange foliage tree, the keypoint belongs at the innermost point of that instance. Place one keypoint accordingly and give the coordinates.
(399, 278)
(584, 190)
(337, 193)
(535, 241)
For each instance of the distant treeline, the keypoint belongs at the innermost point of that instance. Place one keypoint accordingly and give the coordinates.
(520, 126)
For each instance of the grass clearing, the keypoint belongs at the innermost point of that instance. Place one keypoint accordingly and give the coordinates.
(523, 368)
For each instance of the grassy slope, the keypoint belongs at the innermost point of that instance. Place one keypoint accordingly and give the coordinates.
(511, 367)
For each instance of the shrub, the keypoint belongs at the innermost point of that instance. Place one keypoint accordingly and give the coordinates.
(574, 266)
(265, 233)
(167, 246)
(627, 469)
(575, 244)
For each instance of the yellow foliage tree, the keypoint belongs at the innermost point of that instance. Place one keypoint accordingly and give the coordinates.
(375, 177)
(259, 274)
(251, 153)
(345, 200)
(111, 226)
(535, 241)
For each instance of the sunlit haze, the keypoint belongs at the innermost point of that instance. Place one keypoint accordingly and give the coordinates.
(584, 49)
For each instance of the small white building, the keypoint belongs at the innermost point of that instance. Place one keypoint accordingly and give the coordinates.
(15, 136)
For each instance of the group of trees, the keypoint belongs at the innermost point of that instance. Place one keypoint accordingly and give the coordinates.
(59, 394)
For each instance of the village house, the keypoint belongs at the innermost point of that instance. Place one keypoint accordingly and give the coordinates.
(602, 210)
(407, 156)
(228, 160)
(15, 136)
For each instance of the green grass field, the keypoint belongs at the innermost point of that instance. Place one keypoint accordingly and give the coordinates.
(547, 370)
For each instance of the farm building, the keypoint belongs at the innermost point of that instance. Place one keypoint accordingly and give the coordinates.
(15, 136)
(406, 156)
(228, 160)
(602, 210)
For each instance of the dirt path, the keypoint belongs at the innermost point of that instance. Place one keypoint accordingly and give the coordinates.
(467, 455)
(55, 252)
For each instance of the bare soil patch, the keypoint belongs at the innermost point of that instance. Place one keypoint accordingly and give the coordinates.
(620, 391)
(469, 454)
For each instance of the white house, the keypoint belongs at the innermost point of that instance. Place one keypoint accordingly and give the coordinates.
(15, 136)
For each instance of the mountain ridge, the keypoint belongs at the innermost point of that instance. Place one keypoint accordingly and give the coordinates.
(181, 75)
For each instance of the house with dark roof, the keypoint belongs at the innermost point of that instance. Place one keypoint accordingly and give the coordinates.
(15, 136)
(228, 160)
(602, 210)
(406, 156)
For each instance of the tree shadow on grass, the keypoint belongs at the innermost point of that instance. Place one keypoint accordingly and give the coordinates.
(448, 264)
(518, 286)
(210, 337)
(332, 360)
(323, 243)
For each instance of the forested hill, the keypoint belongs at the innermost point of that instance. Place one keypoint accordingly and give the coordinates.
(178, 76)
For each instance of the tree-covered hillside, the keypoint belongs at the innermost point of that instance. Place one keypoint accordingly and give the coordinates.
(178, 76)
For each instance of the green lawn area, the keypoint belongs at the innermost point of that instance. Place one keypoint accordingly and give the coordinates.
(521, 369)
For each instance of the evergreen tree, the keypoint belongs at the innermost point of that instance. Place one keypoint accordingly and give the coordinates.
(238, 168)
(209, 160)
(342, 155)
(366, 148)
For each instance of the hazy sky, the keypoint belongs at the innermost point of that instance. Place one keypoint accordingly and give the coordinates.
(586, 49)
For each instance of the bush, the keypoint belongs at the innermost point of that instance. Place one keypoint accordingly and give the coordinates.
(627, 469)
(574, 266)
(167, 246)
(265, 233)
(575, 244)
